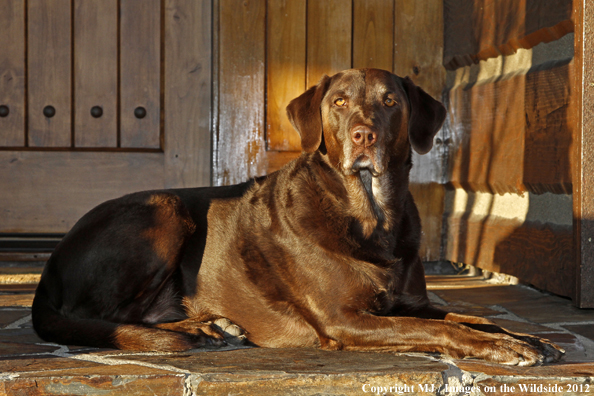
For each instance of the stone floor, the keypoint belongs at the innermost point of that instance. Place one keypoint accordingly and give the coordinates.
(30, 366)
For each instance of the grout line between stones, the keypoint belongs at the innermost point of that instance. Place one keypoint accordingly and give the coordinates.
(17, 323)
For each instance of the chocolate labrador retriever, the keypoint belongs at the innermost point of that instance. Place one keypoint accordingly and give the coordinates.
(322, 253)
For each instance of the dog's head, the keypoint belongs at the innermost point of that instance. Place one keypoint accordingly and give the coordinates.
(365, 118)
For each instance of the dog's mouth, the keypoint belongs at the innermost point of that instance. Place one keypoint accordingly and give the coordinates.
(363, 162)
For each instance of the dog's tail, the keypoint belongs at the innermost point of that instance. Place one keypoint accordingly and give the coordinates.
(53, 326)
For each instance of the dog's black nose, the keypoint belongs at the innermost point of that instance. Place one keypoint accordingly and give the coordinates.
(363, 136)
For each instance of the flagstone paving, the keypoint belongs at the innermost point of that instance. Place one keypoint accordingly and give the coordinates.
(30, 366)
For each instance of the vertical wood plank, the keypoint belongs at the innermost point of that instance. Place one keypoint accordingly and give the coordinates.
(329, 38)
(188, 92)
(95, 62)
(12, 72)
(240, 146)
(285, 69)
(49, 72)
(418, 43)
(418, 49)
(583, 149)
(373, 37)
(140, 68)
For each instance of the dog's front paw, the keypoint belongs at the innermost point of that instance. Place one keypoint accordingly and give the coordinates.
(498, 348)
(551, 351)
(234, 335)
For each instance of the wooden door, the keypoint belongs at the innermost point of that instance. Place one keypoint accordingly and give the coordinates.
(99, 98)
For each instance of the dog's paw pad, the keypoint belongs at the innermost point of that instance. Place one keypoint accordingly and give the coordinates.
(234, 335)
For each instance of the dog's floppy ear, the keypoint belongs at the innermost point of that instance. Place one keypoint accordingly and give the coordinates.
(304, 112)
(426, 117)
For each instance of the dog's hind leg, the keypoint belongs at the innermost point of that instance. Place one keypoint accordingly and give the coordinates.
(52, 325)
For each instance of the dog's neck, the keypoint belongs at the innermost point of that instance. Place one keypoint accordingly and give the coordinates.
(372, 201)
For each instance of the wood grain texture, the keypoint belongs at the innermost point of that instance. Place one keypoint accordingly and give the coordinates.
(329, 38)
(140, 68)
(582, 107)
(278, 159)
(373, 41)
(48, 191)
(429, 198)
(511, 135)
(188, 92)
(285, 72)
(96, 72)
(476, 30)
(418, 43)
(539, 254)
(12, 72)
(548, 140)
(240, 146)
(49, 72)
(417, 52)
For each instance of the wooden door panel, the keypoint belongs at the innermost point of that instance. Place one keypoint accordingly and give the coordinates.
(96, 72)
(12, 72)
(418, 44)
(49, 73)
(140, 63)
(240, 144)
(329, 38)
(373, 34)
(48, 191)
(285, 73)
(187, 93)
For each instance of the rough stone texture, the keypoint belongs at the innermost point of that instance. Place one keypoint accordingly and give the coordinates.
(96, 385)
(30, 366)
(529, 386)
(585, 330)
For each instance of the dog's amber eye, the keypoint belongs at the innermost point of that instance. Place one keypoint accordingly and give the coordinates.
(389, 102)
(340, 102)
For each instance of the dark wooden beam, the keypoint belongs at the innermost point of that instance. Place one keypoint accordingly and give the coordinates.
(583, 153)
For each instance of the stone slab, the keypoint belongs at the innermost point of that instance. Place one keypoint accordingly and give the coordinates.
(569, 370)
(537, 386)
(521, 327)
(291, 360)
(300, 371)
(491, 295)
(10, 316)
(466, 308)
(41, 363)
(16, 300)
(585, 330)
(115, 385)
(13, 348)
(20, 335)
(548, 309)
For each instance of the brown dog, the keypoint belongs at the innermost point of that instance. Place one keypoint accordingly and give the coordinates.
(321, 253)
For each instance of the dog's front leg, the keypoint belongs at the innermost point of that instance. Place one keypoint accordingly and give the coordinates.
(362, 331)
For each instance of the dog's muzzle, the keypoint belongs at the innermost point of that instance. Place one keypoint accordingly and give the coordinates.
(364, 152)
